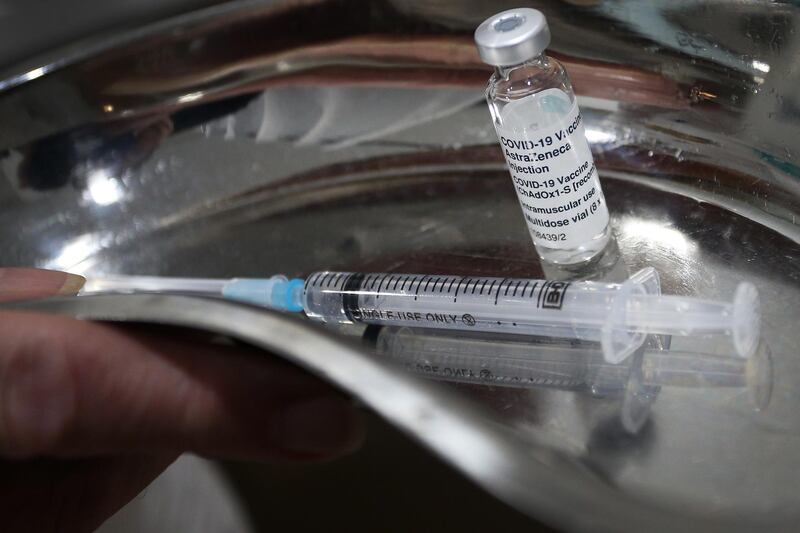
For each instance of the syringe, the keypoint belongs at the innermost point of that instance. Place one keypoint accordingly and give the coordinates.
(520, 362)
(619, 316)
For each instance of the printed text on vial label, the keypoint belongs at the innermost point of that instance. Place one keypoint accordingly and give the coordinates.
(555, 179)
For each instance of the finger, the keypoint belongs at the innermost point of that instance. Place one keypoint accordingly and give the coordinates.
(71, 496)
(72, 388)
(28, 283)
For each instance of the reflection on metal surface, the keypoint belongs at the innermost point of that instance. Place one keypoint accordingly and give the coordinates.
(232, 143)
(760, 65)
(569, 365)
(657, 235)
(460, 432)
(72, 254)
(23, 78)
(598, 136)
(103, 189)
(189, 98)
(495, 361)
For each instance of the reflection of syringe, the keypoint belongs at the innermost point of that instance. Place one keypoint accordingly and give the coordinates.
(619, 316)
(574, 365)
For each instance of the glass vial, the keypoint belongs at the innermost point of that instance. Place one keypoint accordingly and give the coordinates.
(539, 125)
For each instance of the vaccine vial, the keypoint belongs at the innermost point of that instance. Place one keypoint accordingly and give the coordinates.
(540, 128)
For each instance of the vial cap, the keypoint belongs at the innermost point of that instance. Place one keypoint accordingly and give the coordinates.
(512, 37)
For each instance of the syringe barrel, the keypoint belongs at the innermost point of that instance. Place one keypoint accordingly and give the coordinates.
(499, 305)
(522, 362)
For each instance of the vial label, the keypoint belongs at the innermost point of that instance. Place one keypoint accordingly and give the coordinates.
(552, 169)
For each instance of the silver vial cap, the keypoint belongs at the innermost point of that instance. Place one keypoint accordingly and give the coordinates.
(512, 37)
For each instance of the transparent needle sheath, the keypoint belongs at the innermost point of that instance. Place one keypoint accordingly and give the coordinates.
(619, 316)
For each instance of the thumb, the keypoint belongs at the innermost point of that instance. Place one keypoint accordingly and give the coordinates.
(29, 283)
(75, 388)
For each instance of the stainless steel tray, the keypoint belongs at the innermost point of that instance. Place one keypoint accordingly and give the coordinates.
(256, 138)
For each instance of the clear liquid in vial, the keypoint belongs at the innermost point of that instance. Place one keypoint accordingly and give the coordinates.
(530, 103)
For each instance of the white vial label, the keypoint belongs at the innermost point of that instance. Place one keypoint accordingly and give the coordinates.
(552, 168)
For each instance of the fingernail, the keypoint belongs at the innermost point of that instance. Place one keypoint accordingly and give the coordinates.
(322, 426)
(37, 399)
(28, 283)
(72, 285)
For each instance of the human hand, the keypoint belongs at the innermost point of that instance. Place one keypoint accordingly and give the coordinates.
(90, 413)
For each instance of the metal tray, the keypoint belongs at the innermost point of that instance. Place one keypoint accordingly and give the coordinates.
(255, 138)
